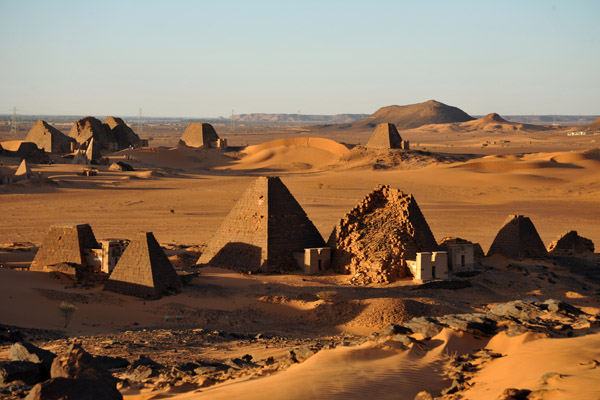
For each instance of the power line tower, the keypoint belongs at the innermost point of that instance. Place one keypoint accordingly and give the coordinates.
(139, 122)
(232, 121)
(13, 122)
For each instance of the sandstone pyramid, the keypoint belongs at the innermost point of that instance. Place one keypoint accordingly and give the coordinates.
(23, 172)
(518, 238)
(48, 138)
(65, 243)
(385, 136)
(262, 231)
(93, 154)
(143, 270)
(199, 135)
(571, 244)
(89, 127)
(375, 238)
(123, 134)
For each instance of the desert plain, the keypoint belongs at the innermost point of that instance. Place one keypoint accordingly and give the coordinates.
(228, 334)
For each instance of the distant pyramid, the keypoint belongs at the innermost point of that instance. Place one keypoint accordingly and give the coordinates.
(385, 136)
(199, 135)
(262, 231)
(518, 238)
(143, 270)
(123, 134)
(23, 172)
(375, 238)
(87, 128)
(48, 138)
(65, 243)
(571, 244)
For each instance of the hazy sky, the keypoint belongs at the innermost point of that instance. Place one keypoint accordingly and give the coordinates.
(205, 58)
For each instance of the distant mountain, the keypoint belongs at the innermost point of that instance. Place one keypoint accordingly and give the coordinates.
(594, 125)
(414, 115)
(494, 122)
(301, 118)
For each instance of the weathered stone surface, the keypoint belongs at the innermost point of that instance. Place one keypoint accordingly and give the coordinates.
(108, 362)
(122, 133)
(74, 389)
(571, 244)
(25, 371)
(64, 243)
(24, 351)
(199, 135)
(385, 136)
(374, 239)
(79, 364)
(48, 138)
(143, 270)
(518, 238)
(262, 231)
(426, 326)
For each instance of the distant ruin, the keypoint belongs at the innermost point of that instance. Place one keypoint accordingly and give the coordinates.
(113, 135)
(262, 231)
(429, 266)
(143, 270)
(48, 138)
(202, 135)
(570, 244)
(518, 238)
(374, 240)
(386, 136)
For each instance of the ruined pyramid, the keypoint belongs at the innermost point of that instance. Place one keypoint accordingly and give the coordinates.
(23, 172)
(199, 135)
(65, 243)
(262, 231)
(385, 136)
(374, 239)
(89, 127)
(571, 244)
(123, 134)
(48, 138)
(518, 238)
(143, 270)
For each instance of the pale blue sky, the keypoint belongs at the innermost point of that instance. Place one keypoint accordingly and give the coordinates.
(205, 58)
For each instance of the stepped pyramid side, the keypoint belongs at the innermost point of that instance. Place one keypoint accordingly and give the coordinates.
(385, 136)
(199, 135)
(289, 228)
(375, 238)
(518, 238)
(48, 138)
(143, 270)
(64, 243)
(262, 230)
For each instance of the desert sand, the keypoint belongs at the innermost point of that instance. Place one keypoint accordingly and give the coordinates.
(182, 194)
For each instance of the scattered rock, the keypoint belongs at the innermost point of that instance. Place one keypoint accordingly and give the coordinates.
(24, 371)
(73, 389)
(23, 351)
(514, 394)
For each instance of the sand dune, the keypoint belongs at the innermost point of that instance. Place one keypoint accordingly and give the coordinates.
(292, 154)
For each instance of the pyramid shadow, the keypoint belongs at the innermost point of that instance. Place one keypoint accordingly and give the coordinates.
(238, 255)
